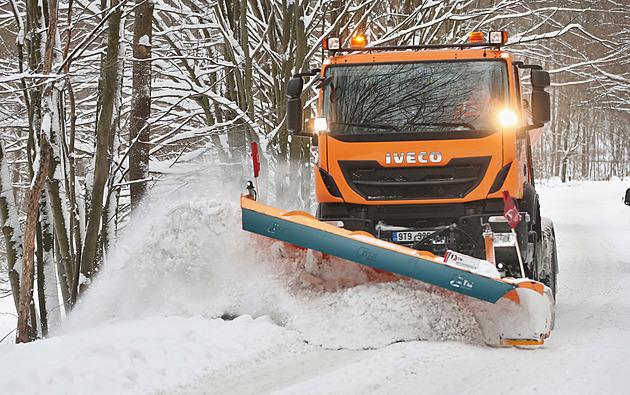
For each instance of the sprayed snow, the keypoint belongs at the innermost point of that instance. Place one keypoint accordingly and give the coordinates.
(192, 258)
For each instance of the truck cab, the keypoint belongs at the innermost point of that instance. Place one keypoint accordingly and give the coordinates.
(419, 144)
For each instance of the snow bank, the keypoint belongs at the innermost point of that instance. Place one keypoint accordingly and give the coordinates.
(138, 356)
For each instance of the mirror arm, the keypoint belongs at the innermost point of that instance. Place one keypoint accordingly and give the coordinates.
(521, 132)
(302, 134)
(311, 73)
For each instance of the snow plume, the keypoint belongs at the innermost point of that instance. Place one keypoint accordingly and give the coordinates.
(189, 256)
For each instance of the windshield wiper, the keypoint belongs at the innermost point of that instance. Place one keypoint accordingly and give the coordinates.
(445, 124)
(367, 125)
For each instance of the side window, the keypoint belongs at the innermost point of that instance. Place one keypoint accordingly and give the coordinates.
(518, 106)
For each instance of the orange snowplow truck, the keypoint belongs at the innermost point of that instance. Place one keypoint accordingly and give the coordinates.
(417, 145)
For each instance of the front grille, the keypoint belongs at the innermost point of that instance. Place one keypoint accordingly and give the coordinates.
(453, 180)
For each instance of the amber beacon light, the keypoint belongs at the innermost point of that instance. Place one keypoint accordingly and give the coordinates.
(475, 37)
(358, 41)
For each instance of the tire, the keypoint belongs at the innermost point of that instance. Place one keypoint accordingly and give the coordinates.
(531, 205)
(549, 272)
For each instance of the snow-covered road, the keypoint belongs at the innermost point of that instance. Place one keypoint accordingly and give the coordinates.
(151, 321)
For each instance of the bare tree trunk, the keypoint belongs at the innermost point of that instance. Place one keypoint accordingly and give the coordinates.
(564, 156)
(249, 87)
(57, 197)
(89, 262)
(40, 277)
(34, 18)
(71, 267)
(112, 191)
(60, 230)
(48, 286)
(300, 147)
(47, 103)
(10, 227)
(32, 211)
(139, 129)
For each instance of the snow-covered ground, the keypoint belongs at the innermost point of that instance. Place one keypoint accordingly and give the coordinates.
(189, 303)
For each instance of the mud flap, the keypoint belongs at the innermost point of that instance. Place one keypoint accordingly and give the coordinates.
(524, 300)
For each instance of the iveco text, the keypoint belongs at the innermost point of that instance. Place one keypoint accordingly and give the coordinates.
(413, 157)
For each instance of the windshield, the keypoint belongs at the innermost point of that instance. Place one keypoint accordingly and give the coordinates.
(414, 96)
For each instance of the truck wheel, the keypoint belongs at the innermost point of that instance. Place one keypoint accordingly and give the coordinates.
(530, 204)
(550, 256)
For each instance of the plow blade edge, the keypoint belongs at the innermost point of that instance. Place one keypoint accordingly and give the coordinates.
(302, 229)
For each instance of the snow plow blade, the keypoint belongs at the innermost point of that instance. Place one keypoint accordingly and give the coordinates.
(520, 313)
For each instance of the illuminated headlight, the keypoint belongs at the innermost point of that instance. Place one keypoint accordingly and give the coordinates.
(508, 118)
(320, 124)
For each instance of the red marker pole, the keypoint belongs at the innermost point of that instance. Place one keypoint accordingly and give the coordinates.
(510, 212)
(256, 161)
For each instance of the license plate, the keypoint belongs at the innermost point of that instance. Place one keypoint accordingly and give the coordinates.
(412, 236)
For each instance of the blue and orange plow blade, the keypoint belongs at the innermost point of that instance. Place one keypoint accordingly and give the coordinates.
(304, 230)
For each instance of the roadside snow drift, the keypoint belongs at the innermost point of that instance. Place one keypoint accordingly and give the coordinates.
(137, 356)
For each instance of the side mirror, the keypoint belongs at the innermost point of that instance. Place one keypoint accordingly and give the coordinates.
(540, 79)
(295, 86)
(541, 105)
(294, 105)
(627, 199)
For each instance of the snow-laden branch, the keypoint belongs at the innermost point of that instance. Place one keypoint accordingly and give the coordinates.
(519, 39)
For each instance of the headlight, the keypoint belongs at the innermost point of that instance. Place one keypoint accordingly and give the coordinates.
(508, 118)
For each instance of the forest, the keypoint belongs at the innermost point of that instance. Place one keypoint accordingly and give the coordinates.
(98, 100)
